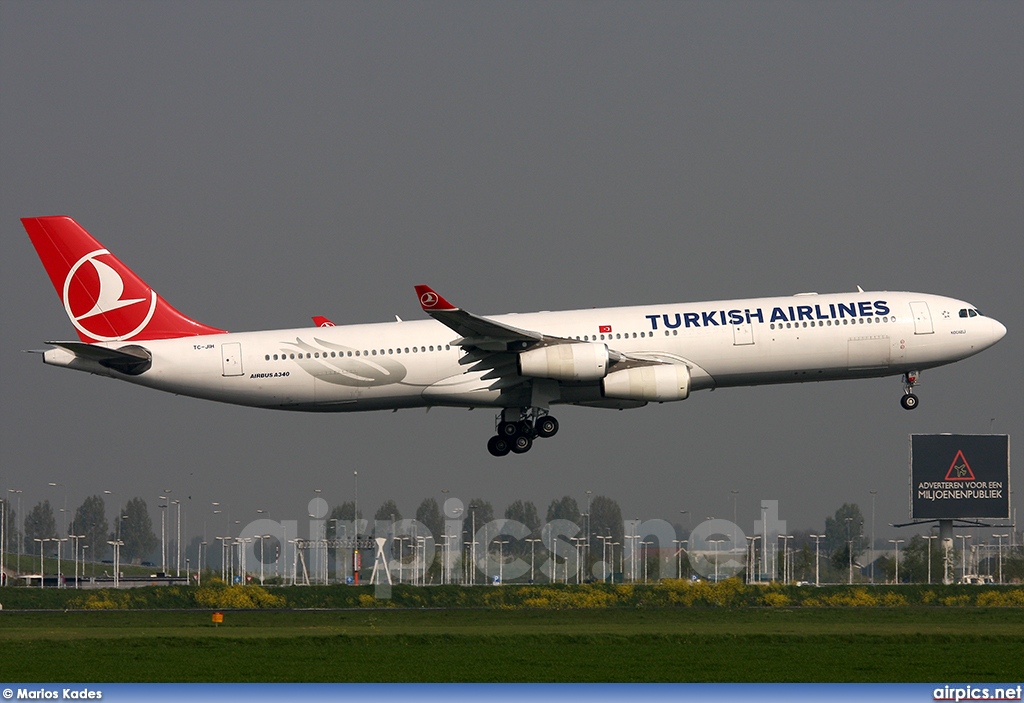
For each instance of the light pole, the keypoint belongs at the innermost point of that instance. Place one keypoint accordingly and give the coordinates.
(785, 557)
(764, 541)
(116, 544)
(355, 505)
(645, 545)
(177, 527)
(533, 543)
(604, 557)
(261, 538)
(586, 551)
(64, 529)
(849, 547)
(501, 561)
(163, 535)
(1001, 538)
(873, 494)
(817, 541)
(199, 571)
(735, 495)
(472, 545)
(41, 567)
(632, 553)
(930, 538)
(716, 542)
(17, 516)
(679, 557)
(74, 545)
(751, 557)
(60, 572)
(963, 556)
(897, 542)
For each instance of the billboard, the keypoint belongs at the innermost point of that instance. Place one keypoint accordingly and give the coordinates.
(959, 476)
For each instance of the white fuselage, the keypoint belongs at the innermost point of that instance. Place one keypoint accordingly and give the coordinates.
(416, 363)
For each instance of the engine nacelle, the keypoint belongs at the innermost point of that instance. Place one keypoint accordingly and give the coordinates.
(660, 383)
(565, 362)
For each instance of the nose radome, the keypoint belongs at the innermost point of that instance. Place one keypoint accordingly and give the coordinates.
(998, 330)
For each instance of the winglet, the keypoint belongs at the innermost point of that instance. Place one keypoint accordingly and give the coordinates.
(321, 321)
(432, 301)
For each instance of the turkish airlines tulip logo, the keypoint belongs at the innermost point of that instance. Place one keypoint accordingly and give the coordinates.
(98, 304)
(428, 299)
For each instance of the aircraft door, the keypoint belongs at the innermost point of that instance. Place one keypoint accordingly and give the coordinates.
(231, 358)
(922, 318)
(742, 334)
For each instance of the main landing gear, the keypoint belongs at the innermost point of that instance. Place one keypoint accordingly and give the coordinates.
(909, 401)
(516, 428)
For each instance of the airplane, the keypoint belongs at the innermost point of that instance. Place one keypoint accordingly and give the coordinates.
(519, 364)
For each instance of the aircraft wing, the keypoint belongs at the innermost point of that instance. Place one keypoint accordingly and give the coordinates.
(474, 331)
(491, 336)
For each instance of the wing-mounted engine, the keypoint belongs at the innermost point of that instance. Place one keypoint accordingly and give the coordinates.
(655, 383)
(565, 362)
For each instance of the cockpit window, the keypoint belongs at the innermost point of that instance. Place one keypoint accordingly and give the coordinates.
(969, 312)
(963, 312)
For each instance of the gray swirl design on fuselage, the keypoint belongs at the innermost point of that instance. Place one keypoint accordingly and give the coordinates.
(345, 370)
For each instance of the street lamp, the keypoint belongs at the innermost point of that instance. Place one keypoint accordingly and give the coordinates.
(472, 545)
(177, 527)
(116, 544)
(930, 538)
(679, 556)
(897, 542)
(17, 516)
(632, 552)
(751, 556)
(716, 542)
(963, 556)
(586, 552)
(65, 511)
(817, 541)
(1001, 538)
(785, 557)
(873, 494)
(533, 543)
(644, 546)
(501, 561)
(849, 546)
(163, 535)
(74, 545)
(41, 567)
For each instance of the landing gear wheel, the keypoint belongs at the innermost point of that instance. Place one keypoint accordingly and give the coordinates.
(498, 446)
(546, 426)
(909, 401)
(521, 444)
(509, 429)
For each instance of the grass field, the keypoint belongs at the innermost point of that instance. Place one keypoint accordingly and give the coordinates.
(695, 644)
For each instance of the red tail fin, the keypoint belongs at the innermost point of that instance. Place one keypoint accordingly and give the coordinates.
(105, 300)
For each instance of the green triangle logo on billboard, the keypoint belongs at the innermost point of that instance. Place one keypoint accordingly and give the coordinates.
(960, 470)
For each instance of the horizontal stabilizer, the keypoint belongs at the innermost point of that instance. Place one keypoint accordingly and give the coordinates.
(131, 360)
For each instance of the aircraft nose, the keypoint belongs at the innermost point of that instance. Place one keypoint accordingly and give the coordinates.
(998, 330)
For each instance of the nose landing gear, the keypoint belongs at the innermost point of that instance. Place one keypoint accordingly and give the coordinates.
(516, 428)
(909, 401)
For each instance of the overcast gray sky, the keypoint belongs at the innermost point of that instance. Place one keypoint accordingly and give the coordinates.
(261, 162)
